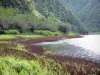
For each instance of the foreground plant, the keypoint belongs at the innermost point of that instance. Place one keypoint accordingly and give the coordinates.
(18, 66)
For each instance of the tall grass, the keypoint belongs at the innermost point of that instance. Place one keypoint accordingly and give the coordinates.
(15, 66)
(41, 66)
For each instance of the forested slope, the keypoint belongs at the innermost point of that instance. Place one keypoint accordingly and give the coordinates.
(37, 14)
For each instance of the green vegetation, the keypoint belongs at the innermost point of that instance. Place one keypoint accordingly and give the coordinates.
(14, 32)
(30, 36)
(8, 37)
(47, 33)
(87, 11)
(18, 66)
(15, 23)
(20, 47)
(27, 16)
(4, 37)
(13, 66)
(72, 34)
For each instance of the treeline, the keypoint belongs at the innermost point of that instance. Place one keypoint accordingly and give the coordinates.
(27, 23)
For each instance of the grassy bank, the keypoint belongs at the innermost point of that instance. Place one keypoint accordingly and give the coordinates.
(36, 34)
(8, 37)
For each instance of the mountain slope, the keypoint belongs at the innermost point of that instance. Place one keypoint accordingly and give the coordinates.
(48, 9)
(87, 11)
(90, 15)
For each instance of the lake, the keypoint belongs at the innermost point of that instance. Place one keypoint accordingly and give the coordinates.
(87, 47)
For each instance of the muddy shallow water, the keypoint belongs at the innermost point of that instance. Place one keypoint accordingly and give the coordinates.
(87, 47)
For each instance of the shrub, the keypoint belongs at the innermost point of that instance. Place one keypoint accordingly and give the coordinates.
(57, 33)
(47, 33)
(63, 29)
(72, 34)
(15, 32)
(42, 32)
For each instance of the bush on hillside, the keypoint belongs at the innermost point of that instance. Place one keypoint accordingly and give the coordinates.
(63, 29)
(72, 34)
(42, 32)
(57, 33)
(15, 32)
(47, 33)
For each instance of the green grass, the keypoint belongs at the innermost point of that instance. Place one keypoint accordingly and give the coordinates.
(30, 36)
(8, 37)
(4, 37)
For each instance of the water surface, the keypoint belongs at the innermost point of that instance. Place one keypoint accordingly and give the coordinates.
(87, 47)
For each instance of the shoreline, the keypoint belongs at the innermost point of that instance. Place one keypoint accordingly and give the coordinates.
(29, 44)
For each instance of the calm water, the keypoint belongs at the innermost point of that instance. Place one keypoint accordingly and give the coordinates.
(90, 42)
(87, 47)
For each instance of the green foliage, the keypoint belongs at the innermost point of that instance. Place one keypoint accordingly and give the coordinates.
(87, 11)
(57, 33)
(5, 37)
(42, 66)
(42, 32)
(63, 29)
(8, 37)
(20, 47)
(13, 66)
(15, 32)
(47, 33)
(30, 36)
(30, 15)
(22, 5)
(72, 34)
(23, 22)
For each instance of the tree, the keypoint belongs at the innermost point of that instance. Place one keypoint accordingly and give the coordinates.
(63, 29)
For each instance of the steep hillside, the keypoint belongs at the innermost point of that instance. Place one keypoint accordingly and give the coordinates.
(50, 11)
(74, 5)
(23, 5)
(90, 15)
(87, 11)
